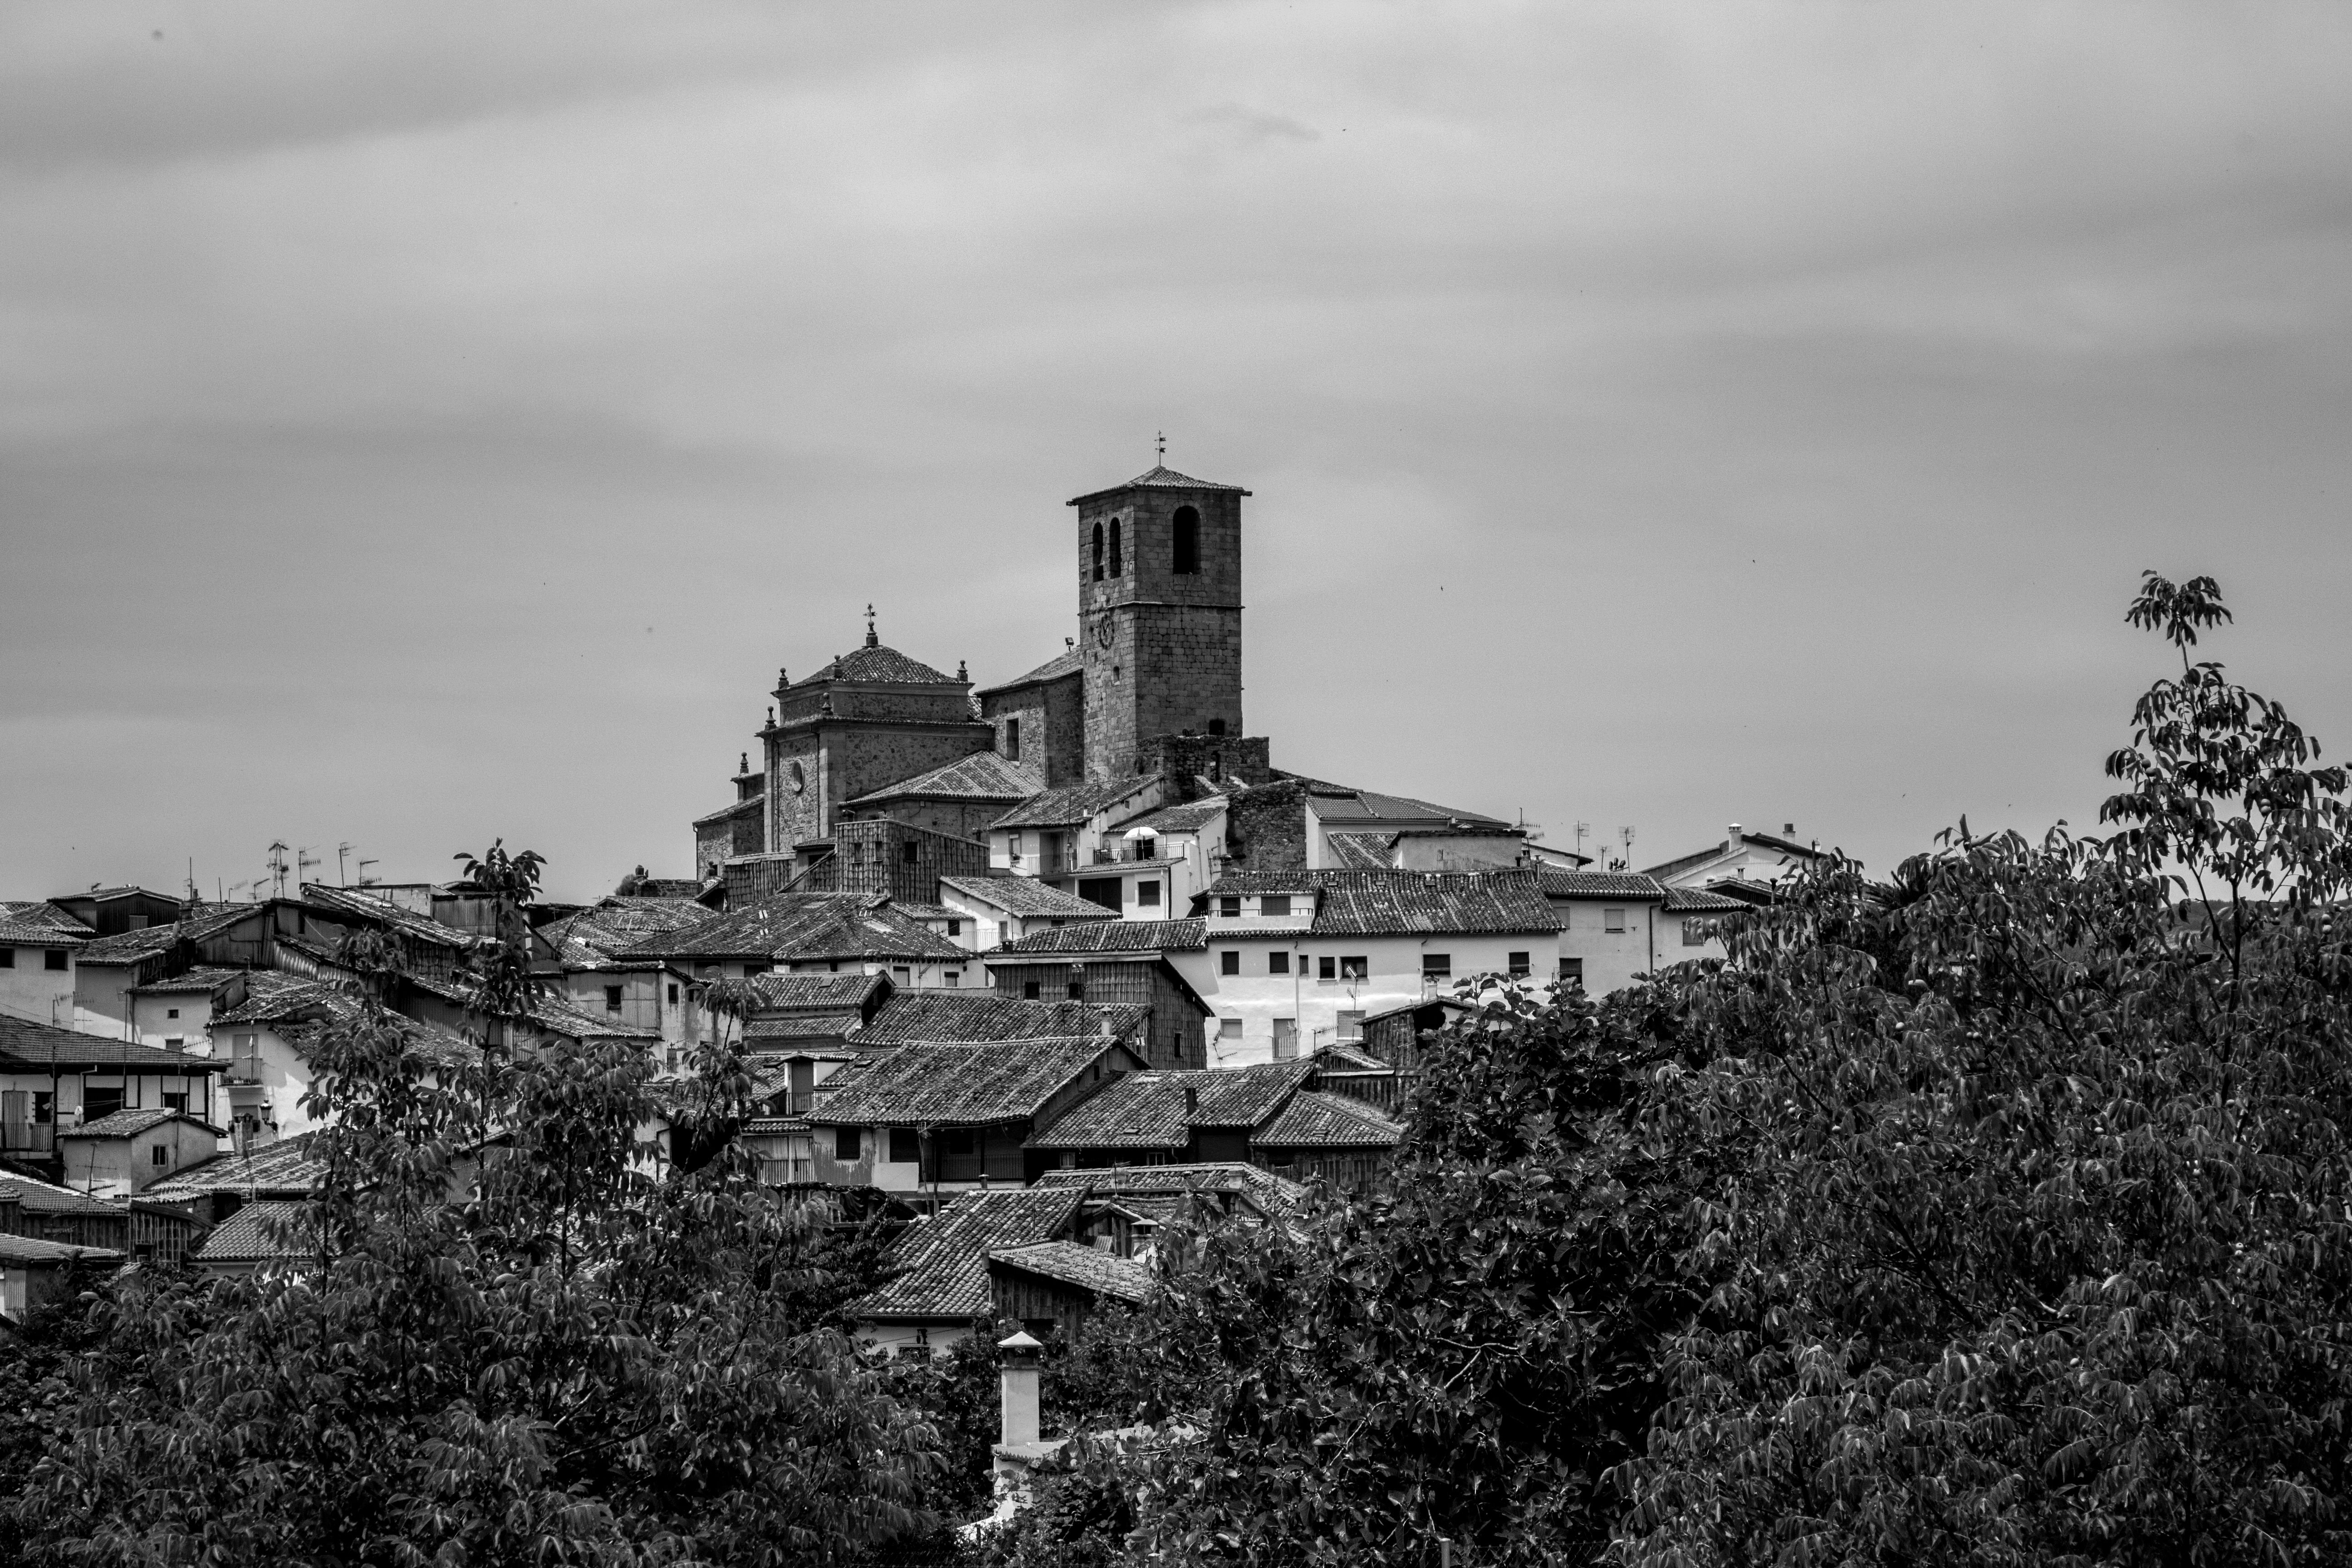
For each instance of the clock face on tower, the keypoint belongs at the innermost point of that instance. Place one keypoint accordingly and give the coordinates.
(1103, 630)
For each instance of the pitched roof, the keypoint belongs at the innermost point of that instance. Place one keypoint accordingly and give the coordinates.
(46, 1197)
(25, 1044)
(357, 905)
(1148, 1109)
(203, 978)
(284, 1169)
(1716, 851)
(945, 1258)
(983, 775)
(732, 809)
(1314, 1120)
(43, 912)
(1275, 1197)
(272, 998)
(1087, 1268)
(262, 1232)
(804, 927)
(561, 1018)
(1701, 900)
(590, 939)
(1361, 851)
(131, 1123)
(1070, 661)
(34, 933)
(1389, 903)
(1009, 1080)
(1337, 803)
(1023, 896)
(1068, 803)
(829, 993)
(1161, 477)
(1111, 936)
(975, 1016)
(1189, 817)
(22, 1250)
(138, 946)
(802, 1026)
(875, 664)
(1564, 884)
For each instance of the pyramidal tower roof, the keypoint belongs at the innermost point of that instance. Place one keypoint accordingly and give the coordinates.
(1161, 477)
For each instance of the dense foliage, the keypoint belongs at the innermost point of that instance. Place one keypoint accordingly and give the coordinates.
(514, 1336)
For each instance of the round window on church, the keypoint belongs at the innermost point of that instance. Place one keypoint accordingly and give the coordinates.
(795, 778)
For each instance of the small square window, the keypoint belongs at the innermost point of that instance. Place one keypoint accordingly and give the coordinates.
(160, 1155)
(1326, 969)
(902, 974)
(1146, 848)
(955, 928)
(954, 977)
(673, 993)
(905, 1149)
(1612, 920)
(1693, 934)
(1229, 961)
(1277, 964)
(909, 852)
(1077, 989)
(847, 1144)
(611, 998)
(1147, 893)
(54, 959)
(1013, 845)
(176, 1042)
(1028, 991)
(171, 1012)
(1571, 972)
(1437, 966)
(1357, 968)
(1519, 966)
(1229, 1031)
(1229, 907)
(7, 958)
(1274, 906)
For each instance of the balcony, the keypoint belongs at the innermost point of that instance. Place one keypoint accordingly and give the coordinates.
(28, 1137)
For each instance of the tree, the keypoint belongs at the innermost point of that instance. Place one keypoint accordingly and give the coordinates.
(515, 1336)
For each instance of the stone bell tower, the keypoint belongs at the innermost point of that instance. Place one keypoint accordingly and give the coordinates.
(1160, 617)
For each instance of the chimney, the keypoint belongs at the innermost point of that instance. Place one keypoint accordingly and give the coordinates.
(1191, 1101)
(1016, 1375)
(1788, 830)
(1733, 842)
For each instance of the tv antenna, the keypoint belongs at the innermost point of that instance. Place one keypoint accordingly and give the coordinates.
(366, 880)
(303, 861)
(1532, 829)
(276, 867)
(343, 874)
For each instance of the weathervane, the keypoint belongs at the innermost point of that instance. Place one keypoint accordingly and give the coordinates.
(871, 640)
(1162, 440)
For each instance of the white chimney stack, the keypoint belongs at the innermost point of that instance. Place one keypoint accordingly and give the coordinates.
(1016, 1364)
(1732, 843)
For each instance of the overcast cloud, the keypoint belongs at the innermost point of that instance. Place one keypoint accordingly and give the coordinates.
(426, 422)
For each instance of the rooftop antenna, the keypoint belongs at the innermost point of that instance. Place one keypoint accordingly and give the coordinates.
(342, 872)
(196, 894)
(366, 880)
(1582, 828)
(303, 861)
(276, 867)
(1532, 829)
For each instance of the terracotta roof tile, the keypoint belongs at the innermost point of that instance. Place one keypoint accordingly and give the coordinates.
(983, 777)
(1087, 1268)
(262, 1232)
(43, 912)
(131, 1123)
(1148, 1109)
(877, 664)
(1161, 477)
(280, 1170)
(1362, 851)
(1069, 662)
(1560, 884)
(1386, 903)
(1111, 936)
(803, 928)
(967, 1085)
(945, 1258)
(1700, 901)
(972, 1016)
(1068, 803)
(26, 1249)
(44, 1046)
(46, 1197)
(1023, 896)
(1273, 1197)
(1316, 1120)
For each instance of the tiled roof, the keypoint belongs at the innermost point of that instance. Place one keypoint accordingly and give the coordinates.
(802, 1026)
(802, 927)
(1347, 1058)
(26, 1249)
(1187, 818)
(283, 1169)
(137, 946)
(1337, 802)
(131, 1123)
(1700, 901)
(945, 1258)
(1361, 851)
(1315, 1120)
(272, 998)
(1111, 936)
(1009, 1080)
(831, 993)
(34, 933)
(1161, 477)
(976, 1016)
(46, 1197)
(1275, 1197)
(203, 978)
(743, 807)
(1023, 896)
(43, 912)
(1147, 1109)
(590, 939)
(1068, 803)
(357, 905)
(877, 665)
(1449, 1003)
(561, 1018)
(983, 775)
(1390, 903)
(1068, 662)
(1559, 884)
(1087, 1268)
(262, 1232)
(44, 1046)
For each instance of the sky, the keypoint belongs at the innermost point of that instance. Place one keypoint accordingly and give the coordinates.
(430, 423)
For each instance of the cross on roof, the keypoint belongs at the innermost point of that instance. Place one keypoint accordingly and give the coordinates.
(1162, 440)
(871, 640)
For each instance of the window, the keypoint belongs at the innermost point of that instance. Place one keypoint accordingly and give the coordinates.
(1437, 966)
(955, 928)
(1229, 1031)
(954, 977)
(1028, 991)
(1351, 1026)
(1357, 968)
(922, 1339)
(7, 958)
(611, 998)
(54, 959)
(1146, 848)
(1216, 727)
(1286, 1039)
(1229, 961)
(1077, 988)
(1114, 547)
(959, 1140)
(160, 1155)
(1187, 562)
(1012, 739)
(1612, 920)
(1519, 966)
(1013, 847)
(175, 1102)
(906, 852)
(905, 1147)
(1571, 972)
(176, 1042)
(1098, 553)
(1229, 907)
(98, 1101)
(902, 974)
(1277, 964)
(1693, 934)
(1147, 893)
(171, 1012)
(1274, 905)
(1326, 968)
(673, 993)
(848, 1144)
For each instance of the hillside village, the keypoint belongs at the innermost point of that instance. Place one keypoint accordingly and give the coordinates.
(1037, 963)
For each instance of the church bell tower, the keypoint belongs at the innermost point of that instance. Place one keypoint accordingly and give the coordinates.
(1159, 616)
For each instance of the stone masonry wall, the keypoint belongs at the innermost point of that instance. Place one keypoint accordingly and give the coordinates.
(1163, 651)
